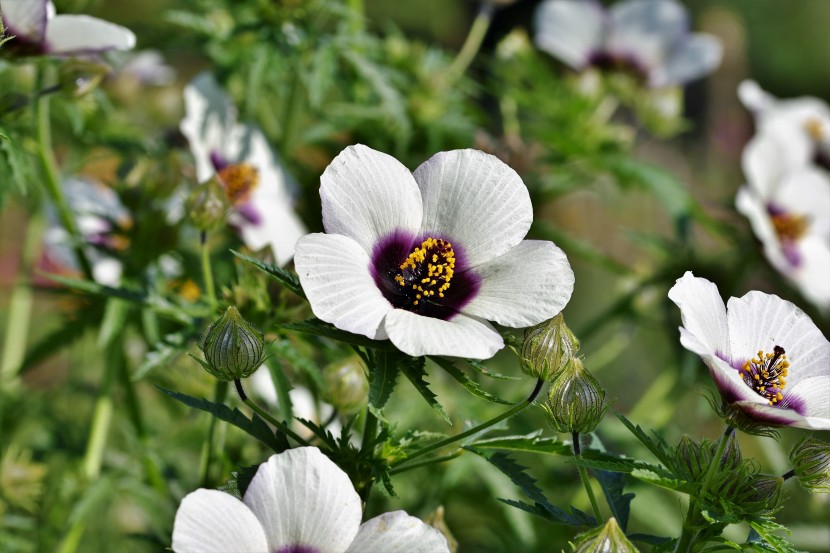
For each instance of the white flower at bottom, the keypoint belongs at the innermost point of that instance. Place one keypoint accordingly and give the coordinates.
(765, 355)
(298, 502)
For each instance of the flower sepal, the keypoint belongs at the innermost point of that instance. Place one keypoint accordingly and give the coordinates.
(232, 347)
(576, 400)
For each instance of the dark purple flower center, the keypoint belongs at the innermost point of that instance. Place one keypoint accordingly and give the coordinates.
(618, 62)
(425, 276)
(297, 549)
(765, 374)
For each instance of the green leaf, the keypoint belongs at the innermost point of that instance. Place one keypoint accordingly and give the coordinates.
(657, 479)
(658, 447)
(383, 375)
(613, 486)
(163, 353)
(255, 427)
(667, 189)
(286, 278)
(414, 370)
(468, 383)
(317, 327)
(769, 541)
(53, 342)
(530, 443)
(479, 366)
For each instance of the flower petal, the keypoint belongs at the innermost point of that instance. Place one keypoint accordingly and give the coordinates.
(814, 395)
(754, 98)
(25, 19)
(784, 417)
(753, 207)
(806, 192)
(334, 272)
(82, 34)
(397, 532)
(729, 382)
(476, 201)
(209, 117)
(527, 285)
(702, 312)
(769, 156)
(759, 321)
(303, 499)
(367, 195)
(210, 521)
(646, 30)
(462, 336)
(570, 30)
(694, 57)
(813, 276)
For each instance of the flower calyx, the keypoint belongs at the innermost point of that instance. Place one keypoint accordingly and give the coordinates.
(576, 400)
(608, 537)
(811, 464)
(547, 348)
(232, 347)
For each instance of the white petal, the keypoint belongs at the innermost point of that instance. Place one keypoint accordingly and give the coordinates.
(335, 274)
(461, 336)
(25, 19)
(785, 417)
(210, 521)
(759, 322)
(106, 270)
(702, 312)
(754, 208)
(82, 34)
(209, 118)
(570, 30)
(814, 393)
(754, 98)
(397, 532)
(529, 284)
(476, 201)
(303, 498)
(367, 195)
(646, 30)
(806, 192)
(769, 156)
(698, 55)
(729, 382)
(813, 276)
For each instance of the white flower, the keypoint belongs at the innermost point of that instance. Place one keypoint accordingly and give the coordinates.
(649, 37)
(251, 173)
(38, 30)
(765, 355)
(426, 259)
(298, 502)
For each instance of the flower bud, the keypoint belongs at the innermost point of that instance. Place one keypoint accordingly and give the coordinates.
(575, 400)
(547, 348)
(762, 494)
(233, 348)
(811, 464)
(436, 520)
(606, 539)
(346, 386)
(693, 459)
(207, 205)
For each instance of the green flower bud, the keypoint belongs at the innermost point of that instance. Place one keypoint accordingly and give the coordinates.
(547, 348)
(575, 400)
(606, 539)
(811, 464)
(436, 520)
(233, 348)
(762, 494)
(207, 205)
(346, 386)
(80, 77)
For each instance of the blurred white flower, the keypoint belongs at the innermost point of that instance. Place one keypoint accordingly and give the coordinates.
(38, 30)
(650, 38)
(765, 355)
(256, 184)
(298, 502)
(426, 259)
(147, 67)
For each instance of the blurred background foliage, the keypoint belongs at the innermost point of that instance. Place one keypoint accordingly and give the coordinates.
(633, 198)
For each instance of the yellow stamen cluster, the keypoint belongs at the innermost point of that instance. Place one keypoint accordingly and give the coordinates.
(789, 227)
(766, 374)
(239, 180)
(816, 129)
(428, 269)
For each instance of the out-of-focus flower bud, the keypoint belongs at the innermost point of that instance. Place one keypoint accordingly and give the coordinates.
(811, 464)
(575, 400)
(515, 44)
(436, 520)
(233, 348)
(346, 386)
(606, 539)
(80, 77)
(548, 347)
(207, 205)
(693, 459)
(762, 494)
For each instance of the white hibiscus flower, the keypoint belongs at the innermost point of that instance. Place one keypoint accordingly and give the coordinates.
(37, 30)
(765, 355)
(298, 502)
(426, 259)
(648, 37)
(256, 184)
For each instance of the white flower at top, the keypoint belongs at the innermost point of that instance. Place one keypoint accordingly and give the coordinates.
(425, 259)
(647, 37)
(256, 184)
(765, 355)
(37, 30)
(298, 502)
(787, 195)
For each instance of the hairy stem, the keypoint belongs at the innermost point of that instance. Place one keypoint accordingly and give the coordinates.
(265, 415)
(472, 43)
(207, 271)
(583, 475)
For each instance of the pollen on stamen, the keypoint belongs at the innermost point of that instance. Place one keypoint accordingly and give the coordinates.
(789, 227)
(239, 180)
(765, 374)
(429, 269)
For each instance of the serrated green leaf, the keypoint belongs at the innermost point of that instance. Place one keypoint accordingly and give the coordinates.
(479, 366)
(286, 278)
(657, 479)
(530, 443)
(383, 375)
(326, 330)
(415, 372)
(658, 447)
(469, 384)
(613, 486)
(765, 530)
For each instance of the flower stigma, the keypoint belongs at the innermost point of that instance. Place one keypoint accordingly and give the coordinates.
(789, 227)
(427, 271)
(765, 374)
(239, 180)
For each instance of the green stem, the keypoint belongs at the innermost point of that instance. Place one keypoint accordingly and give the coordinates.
(583, 475)
(102, 415)
(52, 181)
(521, 406)
(689, 534)
(207, 271)
(472, 44)
(265, 415)
(291, 115)
(419, 464)
(220, 393)
(358, 9)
